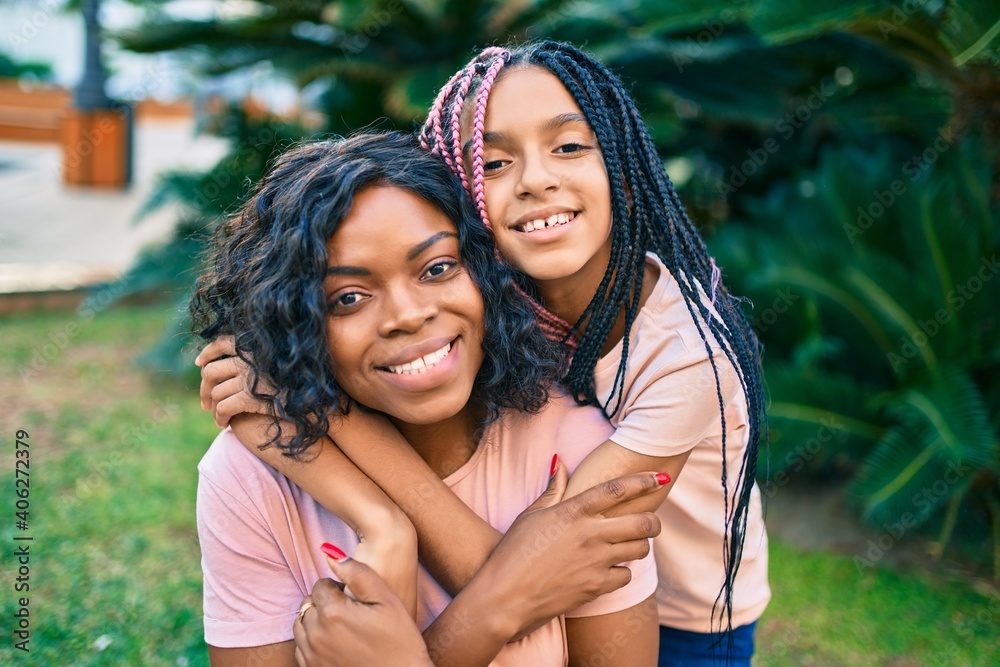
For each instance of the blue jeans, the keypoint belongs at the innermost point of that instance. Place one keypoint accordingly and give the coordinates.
(680, 648)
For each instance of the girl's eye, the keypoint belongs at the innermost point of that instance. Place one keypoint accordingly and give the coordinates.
(492, 165)
(438, 269)
(570, 148)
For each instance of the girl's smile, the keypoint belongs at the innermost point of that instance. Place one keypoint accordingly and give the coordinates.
(546, 186)
(405, 320)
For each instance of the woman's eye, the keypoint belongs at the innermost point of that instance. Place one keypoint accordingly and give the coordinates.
(570, 148)
(438, 269)
(347, 299)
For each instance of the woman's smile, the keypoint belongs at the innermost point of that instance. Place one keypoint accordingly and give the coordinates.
(426, 372)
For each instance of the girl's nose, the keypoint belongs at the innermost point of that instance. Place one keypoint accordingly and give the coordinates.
(537, 176)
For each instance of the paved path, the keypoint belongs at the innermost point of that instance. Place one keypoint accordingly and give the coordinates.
(54, 237)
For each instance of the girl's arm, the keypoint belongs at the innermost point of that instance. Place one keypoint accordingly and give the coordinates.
(378, 449)
(628, 638)
(676, 409)
(417, 498)
(610, 460)
(278, 655)
(388, 541)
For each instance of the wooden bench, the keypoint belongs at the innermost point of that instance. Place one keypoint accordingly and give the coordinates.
(32, 114)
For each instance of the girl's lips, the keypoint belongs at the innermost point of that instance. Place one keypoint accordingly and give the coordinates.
(430, 378)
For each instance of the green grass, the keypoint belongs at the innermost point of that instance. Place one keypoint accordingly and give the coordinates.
(824, 611)
(115, 552)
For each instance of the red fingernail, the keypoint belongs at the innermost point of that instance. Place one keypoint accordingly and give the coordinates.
(555, 464)
(332, 551)
(662, 478)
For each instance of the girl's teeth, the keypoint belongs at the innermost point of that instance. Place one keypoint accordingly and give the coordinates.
(551, 221)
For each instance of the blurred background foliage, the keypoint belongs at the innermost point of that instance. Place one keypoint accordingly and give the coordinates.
(842, 162)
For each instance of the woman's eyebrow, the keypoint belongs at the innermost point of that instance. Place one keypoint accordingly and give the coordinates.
(413, 253)
(424, 245)
(347, 271)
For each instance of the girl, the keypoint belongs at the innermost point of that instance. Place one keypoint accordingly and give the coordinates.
(564, 172)
(351, 261)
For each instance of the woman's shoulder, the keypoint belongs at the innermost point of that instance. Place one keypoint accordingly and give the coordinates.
(563, 408)
(570, 424)
(230, 467)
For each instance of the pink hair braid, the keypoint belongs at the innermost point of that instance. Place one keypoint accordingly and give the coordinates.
(455, 122)
(716, 275)
(433, 130)
(478, 129)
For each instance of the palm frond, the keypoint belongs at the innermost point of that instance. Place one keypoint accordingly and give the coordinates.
(940, 436)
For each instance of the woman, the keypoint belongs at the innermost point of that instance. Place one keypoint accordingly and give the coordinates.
(353, 260)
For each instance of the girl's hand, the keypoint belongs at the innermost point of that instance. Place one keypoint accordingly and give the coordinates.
(389, 548)
(225, 382)
(373, 629)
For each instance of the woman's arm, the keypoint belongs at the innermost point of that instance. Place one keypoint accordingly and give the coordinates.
(523, 584)
(370, 628)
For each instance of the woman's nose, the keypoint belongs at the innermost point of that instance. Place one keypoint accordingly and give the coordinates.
(406, 310)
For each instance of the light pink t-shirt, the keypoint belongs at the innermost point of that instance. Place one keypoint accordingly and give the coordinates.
(260, 533)
(670, 406)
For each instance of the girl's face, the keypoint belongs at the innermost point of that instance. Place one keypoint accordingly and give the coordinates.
(405, 320)
(546, 186)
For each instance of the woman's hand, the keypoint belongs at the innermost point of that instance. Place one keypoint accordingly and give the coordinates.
(225, 382)
(557, 555)
(373, 629)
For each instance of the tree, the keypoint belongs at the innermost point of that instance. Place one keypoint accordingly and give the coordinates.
(842, 162)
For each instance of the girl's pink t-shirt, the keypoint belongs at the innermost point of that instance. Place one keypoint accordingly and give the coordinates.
(260, 533)
(669, 406)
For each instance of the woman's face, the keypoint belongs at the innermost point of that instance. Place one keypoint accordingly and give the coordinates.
(405, 320)
(546, 186)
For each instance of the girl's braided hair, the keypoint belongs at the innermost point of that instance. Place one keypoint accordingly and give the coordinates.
(648, 216)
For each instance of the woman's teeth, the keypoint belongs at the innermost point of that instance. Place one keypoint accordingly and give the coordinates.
(551, 221)
(421, 364)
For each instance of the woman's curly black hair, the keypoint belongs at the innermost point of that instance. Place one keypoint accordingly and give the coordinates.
(265, 283)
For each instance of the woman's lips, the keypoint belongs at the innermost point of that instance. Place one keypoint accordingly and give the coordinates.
(424, 376)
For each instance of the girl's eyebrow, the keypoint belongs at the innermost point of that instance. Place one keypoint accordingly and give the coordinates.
(412, 254)
(556, 122)
(553, 123)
